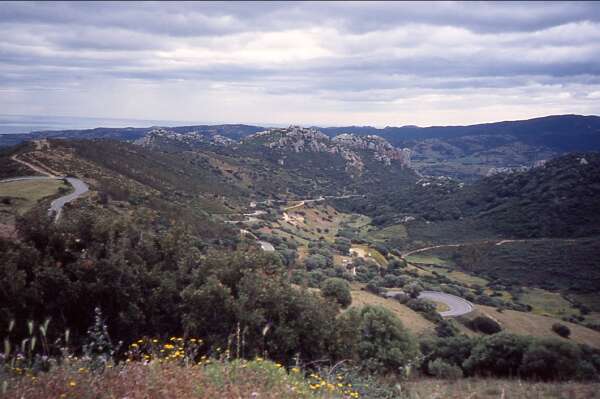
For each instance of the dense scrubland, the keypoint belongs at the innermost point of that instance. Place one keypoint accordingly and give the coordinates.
(143, 281)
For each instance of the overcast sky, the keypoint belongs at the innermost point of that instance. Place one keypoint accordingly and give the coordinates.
(307, 63)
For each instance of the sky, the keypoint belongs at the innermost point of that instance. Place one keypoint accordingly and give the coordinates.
(309, 63)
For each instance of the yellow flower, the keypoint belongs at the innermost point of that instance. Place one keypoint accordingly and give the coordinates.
(72, 384)
(295, 370)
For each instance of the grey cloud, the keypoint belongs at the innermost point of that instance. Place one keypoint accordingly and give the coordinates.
(340, 51)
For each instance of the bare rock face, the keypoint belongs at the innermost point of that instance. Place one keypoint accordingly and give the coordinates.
(299, 139)
(383, 150)
(157, 137)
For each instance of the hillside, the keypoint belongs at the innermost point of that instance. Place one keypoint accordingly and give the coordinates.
(467, 152)
(463, 152)
(557, 199)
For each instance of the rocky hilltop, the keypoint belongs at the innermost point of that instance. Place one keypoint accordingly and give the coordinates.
(351, 148)
(160, 137)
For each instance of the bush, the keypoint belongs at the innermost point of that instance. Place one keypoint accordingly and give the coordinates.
(561, 330)
(384, 345)
(485, 324)
(498, 355)
(413, 289)
(445, 329)
(551, 359)
(337, 290)
(453, 350)
(440, 369)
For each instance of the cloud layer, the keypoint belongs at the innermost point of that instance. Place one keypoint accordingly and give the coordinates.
(324, 63)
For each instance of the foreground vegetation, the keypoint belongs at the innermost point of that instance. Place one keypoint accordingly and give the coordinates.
(147, 254)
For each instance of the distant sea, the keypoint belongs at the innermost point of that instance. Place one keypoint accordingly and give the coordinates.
(34, 123)
(29, 123)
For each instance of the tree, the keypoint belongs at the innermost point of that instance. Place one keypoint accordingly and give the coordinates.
(485, 324)
(561, 330)
(551, 359)
(498, 355)
(315, 261)
(445, 329)
(384, 345)
(338, 290)
(413, 289)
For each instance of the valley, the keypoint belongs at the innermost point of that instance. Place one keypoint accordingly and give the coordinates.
(201, 224)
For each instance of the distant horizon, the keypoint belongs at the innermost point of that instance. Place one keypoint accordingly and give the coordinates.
(37, 123)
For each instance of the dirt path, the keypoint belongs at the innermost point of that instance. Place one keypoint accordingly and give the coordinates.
(495, 242)
(33, 167)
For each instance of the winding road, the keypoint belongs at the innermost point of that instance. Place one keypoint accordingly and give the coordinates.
(57, 205)
(457, 306)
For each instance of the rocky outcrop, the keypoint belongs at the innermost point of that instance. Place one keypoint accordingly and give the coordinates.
(348, 146)
(382, 149)
(160, 137)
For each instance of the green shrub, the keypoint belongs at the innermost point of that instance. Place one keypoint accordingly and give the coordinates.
(561, 330)
(497, 355)
(338, 290)
(485, 324)
(384, 345)
(445, 329)
(440, 369)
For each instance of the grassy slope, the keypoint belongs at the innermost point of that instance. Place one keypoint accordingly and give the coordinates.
(412, 320)
(538, 326)
(26, 193)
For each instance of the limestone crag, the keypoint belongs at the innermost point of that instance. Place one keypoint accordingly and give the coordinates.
(348, 146)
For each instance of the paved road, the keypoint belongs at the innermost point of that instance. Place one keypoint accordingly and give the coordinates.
(457, 305)
(57, 205)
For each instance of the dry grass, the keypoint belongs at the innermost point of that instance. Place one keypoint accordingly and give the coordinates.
(426, 259)
(390, 232)
(366, 252)
(476, 388)
(539, 326)
(26, 193)
(168, 380)
(548, 303)
(412, 320)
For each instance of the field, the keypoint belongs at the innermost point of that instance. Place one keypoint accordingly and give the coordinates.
(412, 320)
(24, 194)
(426, 259)
(536, 325)
(364, 251)
(548, 303)
(390, 232)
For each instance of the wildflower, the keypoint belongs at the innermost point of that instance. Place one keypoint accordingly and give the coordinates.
(295, 370)
(134, 345)
(72, 383)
